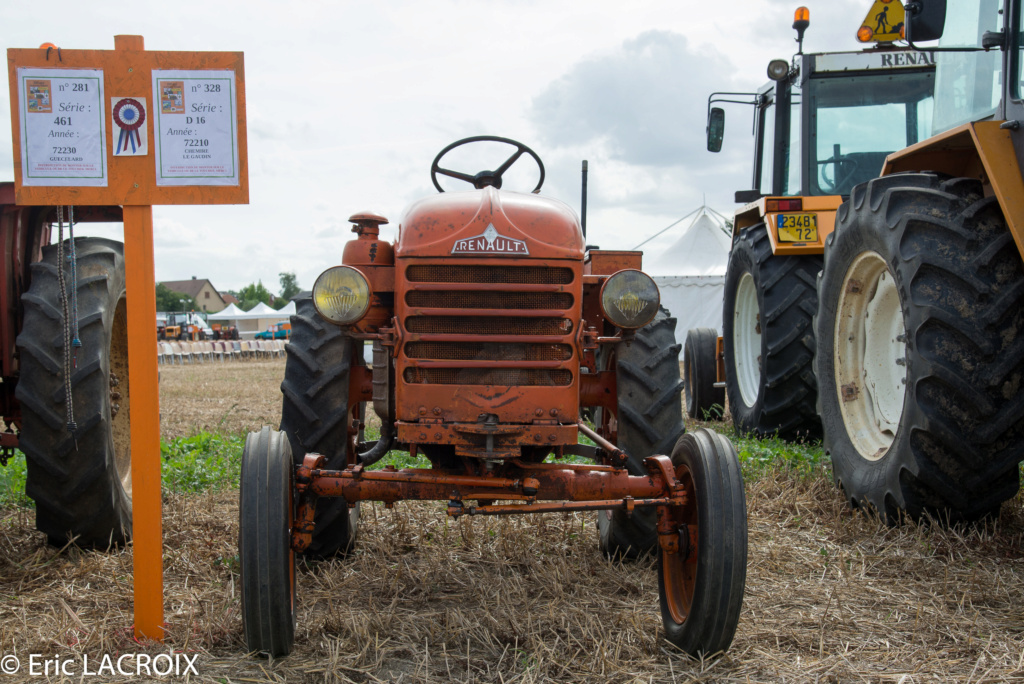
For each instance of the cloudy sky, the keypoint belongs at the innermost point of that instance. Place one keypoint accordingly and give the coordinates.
(349, 102)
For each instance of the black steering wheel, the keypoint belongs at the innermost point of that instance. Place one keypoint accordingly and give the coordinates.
(839, 163)
(485, 178)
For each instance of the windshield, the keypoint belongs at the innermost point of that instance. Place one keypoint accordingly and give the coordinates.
(968, 83)
(856, 121)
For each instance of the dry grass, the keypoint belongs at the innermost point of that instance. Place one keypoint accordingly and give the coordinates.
(831, 596)
(230, 397)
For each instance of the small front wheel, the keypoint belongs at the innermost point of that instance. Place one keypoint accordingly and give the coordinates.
(701, 584)
(264, 543)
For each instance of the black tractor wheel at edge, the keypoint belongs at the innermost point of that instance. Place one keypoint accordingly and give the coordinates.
(650, 421)
(265, 516)
(767, 332)
(704, 401)
(315, 416)
(701, 586)
(922, 304)
(81, 484)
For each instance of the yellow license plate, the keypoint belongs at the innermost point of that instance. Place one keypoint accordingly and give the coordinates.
(797, 227)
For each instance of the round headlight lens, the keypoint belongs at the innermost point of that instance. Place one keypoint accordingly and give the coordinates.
(342, 295)
(630, 299)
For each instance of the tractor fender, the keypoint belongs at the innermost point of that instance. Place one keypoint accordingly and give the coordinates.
(980, 150)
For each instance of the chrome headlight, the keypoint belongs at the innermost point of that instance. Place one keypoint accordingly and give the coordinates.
(342, 295)
(630, 299)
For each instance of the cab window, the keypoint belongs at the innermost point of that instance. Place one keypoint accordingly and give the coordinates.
(858, 120)
(968, 82)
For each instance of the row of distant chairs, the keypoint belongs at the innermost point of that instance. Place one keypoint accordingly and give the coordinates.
(223, 350)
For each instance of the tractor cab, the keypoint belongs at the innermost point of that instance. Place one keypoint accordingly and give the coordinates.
(825, 122)
(831, 119)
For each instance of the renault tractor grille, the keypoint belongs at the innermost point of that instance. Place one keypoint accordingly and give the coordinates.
(482, 324)
(485, 325)
(539, 275)
(488, 351)
(488, 376)
(488, 300)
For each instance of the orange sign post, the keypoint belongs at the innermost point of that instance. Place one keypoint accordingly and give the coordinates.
(132, 128)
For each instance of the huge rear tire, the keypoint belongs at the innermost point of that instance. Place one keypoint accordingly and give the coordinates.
(650, 421)
(81, 484)
(701, 585)
(266, 515)
(921, 349)
(315, 416)
(769, 338)
(704, 401)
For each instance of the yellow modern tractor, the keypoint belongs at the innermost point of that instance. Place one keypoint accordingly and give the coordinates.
(822, 124)
(920, 316)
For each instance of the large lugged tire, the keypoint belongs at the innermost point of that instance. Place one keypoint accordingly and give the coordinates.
(265, 518)
(769, 339)
(314, 414)
(921, 349)
(701, 585)
(704, 401)
(81, 485)
(650, 421)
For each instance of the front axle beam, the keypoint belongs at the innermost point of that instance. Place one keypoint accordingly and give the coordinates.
(564, 488)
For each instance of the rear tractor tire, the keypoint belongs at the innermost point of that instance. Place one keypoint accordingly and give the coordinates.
(704, 401)
(701, 586)
(921, 349)
(650, 421)
(315, 416)
(768, 336)
(266, 516)
(81, 483)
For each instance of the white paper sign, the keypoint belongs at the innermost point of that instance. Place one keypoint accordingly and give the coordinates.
(195, 127)
(62, 133)
(128, 132)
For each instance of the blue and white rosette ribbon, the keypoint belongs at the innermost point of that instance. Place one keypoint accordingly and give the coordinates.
(129, 115)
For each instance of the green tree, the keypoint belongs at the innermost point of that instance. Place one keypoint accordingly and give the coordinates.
(289, 286)
(169, 300)
(252, 294)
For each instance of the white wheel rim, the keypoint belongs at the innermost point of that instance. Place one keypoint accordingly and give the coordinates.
(870, 356)
(746, 340)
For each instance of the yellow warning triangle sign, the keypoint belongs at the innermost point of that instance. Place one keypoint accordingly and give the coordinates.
(883, 24)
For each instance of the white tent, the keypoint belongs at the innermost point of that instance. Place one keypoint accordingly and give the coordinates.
(261, 310)
(691, 274)
(287, 310)
(250, 322)
(228, 313)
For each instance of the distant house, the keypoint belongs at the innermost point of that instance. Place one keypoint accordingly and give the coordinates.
(230, 299)
(202, 290)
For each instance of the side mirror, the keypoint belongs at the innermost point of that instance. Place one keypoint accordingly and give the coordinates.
(925, 20)
(748, 196)
(716, 129)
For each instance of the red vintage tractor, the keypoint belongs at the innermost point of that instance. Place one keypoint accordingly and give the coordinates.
(494, 334)
(78, 463)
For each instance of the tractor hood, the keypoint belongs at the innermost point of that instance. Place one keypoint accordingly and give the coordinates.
(490, 223)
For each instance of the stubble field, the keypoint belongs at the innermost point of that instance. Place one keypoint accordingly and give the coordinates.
(831, 595)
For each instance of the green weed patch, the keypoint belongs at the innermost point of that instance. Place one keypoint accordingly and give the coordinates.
(202, 462)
